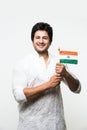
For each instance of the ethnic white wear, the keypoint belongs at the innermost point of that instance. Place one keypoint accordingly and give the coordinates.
(44, 112)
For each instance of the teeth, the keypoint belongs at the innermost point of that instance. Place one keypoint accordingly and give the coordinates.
(39, 44)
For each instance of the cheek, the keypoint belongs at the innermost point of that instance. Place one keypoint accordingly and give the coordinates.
(47, 43)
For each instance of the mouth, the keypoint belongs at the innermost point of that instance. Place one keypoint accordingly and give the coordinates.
(41, 45)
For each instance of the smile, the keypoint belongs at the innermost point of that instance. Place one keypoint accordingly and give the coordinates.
(40, 44)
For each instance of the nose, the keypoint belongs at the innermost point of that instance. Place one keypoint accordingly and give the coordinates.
(41, 40)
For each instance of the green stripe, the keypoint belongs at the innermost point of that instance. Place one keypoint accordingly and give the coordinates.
(69, 61)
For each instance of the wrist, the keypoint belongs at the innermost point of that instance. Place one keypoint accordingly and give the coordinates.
(48, 85)
(66, 74)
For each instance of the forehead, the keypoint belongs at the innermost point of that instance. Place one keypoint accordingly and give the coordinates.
(41, 33)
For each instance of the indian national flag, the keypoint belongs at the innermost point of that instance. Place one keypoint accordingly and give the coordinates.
(69, 57)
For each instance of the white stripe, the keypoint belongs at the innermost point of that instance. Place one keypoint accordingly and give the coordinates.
(67, 57)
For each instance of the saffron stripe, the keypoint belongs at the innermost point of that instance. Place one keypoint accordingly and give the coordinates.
(64, 52)
(69, 61)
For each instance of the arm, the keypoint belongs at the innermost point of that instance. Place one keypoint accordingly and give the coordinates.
(22, 92)
(72, 82)
(31, 92)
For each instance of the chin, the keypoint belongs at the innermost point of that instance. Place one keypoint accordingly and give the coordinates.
(41, 51)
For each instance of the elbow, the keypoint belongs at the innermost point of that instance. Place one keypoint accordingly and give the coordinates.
(78, 90)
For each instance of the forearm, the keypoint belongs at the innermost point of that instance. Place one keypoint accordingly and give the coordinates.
(72, 82)
(31, 92)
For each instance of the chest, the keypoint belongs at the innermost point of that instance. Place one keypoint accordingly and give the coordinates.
(39, 72)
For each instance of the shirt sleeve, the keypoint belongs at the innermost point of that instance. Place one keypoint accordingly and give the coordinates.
(19, 82)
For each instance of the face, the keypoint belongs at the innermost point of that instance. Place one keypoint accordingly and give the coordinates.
(41, 41)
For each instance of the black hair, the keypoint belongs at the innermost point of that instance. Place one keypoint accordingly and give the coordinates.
(42, 26)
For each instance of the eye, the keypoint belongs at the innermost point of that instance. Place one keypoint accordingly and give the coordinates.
(37, 37)
(45, 37)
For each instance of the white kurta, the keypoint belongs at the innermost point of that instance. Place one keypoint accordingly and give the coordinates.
(44, 112)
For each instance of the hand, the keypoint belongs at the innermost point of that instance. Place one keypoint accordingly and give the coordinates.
(55, 80)
(60, 69)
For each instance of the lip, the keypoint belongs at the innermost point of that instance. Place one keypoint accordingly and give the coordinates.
(40, 45)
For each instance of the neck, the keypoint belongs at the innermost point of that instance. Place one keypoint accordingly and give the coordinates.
(44, 55)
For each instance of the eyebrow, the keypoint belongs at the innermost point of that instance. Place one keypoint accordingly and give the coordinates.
(42, 36)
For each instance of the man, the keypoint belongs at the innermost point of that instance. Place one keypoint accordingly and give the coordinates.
(36, 84)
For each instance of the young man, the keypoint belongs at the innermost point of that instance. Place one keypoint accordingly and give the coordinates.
(36, 84)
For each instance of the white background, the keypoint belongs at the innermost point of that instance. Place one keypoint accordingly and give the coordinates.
(69, 21)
